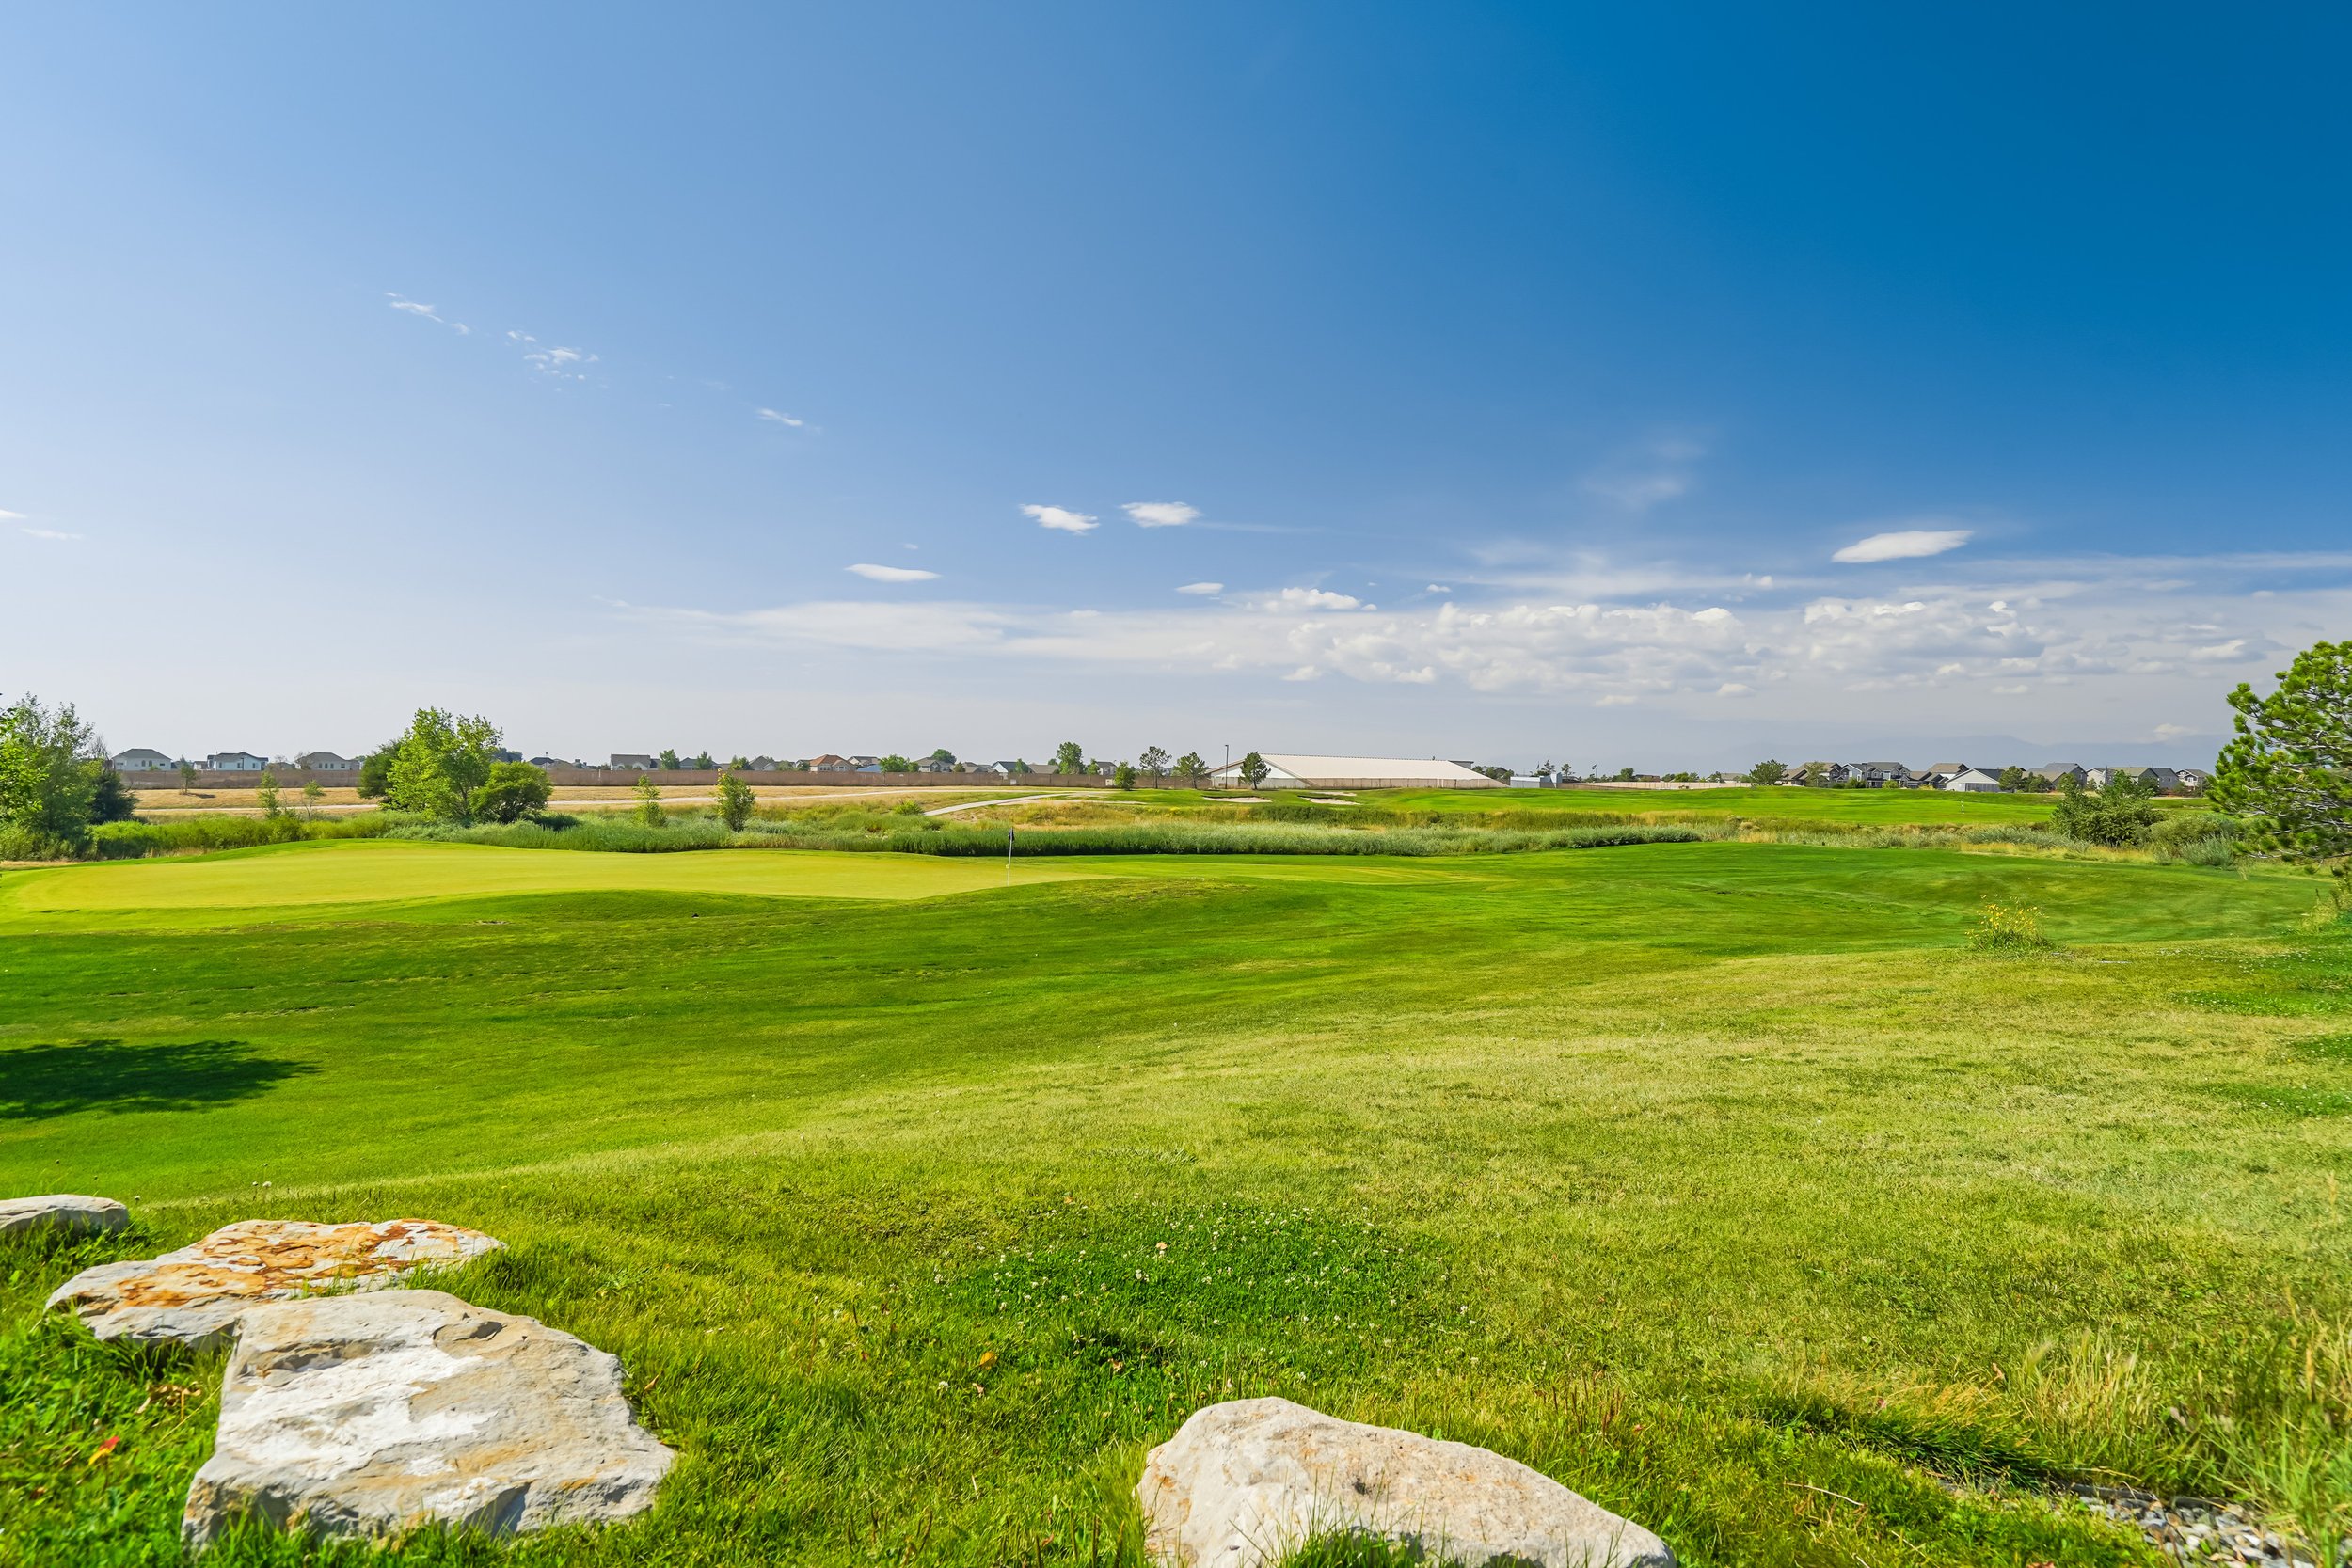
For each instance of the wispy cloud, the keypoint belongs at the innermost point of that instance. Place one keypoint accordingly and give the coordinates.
(8, 517)
(891, 574)
(1908, 544)
(1160, 514)
(779, 417)
(1061, 518)
(1663, 471)
(44, 532)
(2093, 646)
(559, 363)
(425, 313)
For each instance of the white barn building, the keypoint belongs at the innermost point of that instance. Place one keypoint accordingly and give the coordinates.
(1291, 770)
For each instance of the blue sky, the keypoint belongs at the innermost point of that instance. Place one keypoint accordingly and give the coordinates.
(1504, 381)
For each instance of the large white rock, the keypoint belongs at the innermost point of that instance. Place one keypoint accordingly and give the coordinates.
(374, 1414)
(66, 1212)
(1244, 1483)
(194, 1295)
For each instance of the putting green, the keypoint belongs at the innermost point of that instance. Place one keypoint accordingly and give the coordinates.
(387, 871)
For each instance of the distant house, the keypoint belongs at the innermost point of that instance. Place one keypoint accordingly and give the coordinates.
(636, 760)
(326, 762)
(141, 759)
(863, 765)
(933, 765)
(551, 762)
(2193, 780)
(763, 765)
(1972, 781)
(2058, 772)
(1292, 770)
(1006, 769)
(235, 762)
(829, 764)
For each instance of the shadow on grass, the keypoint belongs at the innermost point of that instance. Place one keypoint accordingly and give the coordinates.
(38, 1081)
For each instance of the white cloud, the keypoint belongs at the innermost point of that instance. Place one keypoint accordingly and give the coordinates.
(1437, 588)
(1304, 673)
(1203, 590)
(2172, 731)
(2088, 646)
(1061, 518)
(891, 574)
(779, 417)
(1312, 599)
(558, 362)
(1160, 514)
(1658, 472)
(45, 533)
(1617, 699)
(425, 313)
(1903, 545)
(8, 517)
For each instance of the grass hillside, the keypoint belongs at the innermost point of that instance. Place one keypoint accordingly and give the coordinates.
(1722, 1180)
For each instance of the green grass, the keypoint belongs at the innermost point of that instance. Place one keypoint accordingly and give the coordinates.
(1701, 1176)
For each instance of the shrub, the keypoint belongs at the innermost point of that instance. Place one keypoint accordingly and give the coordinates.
(2118, 814)
(2008, 928)
(512, 791)
(2181, 828)
(736, 800)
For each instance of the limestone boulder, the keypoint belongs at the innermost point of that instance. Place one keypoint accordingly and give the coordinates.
(69, 1213)
(1244, 1483)
(194, 1296)
(372, 1414)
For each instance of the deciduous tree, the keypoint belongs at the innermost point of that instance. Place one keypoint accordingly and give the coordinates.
(438, 764)
(648, 800)
(1769, 771)
(1255, 771)
(1070, 757)
(49, 768)
(1154, 761)
(736, 800)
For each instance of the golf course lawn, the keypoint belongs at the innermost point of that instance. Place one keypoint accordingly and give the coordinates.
(374, 871)
(1721, 1180)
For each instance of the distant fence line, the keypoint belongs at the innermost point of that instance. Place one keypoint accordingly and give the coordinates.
(623, 778)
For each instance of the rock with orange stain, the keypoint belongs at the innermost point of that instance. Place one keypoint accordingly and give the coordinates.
(375, 1414)
(194, 1296)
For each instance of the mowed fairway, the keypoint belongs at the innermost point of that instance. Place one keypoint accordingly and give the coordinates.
(1713, 1179)
(304, 875)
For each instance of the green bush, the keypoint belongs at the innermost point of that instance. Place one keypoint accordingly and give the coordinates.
(2181, 828)
(512, 791)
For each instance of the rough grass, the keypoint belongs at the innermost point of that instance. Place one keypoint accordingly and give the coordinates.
(1718, 1180)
